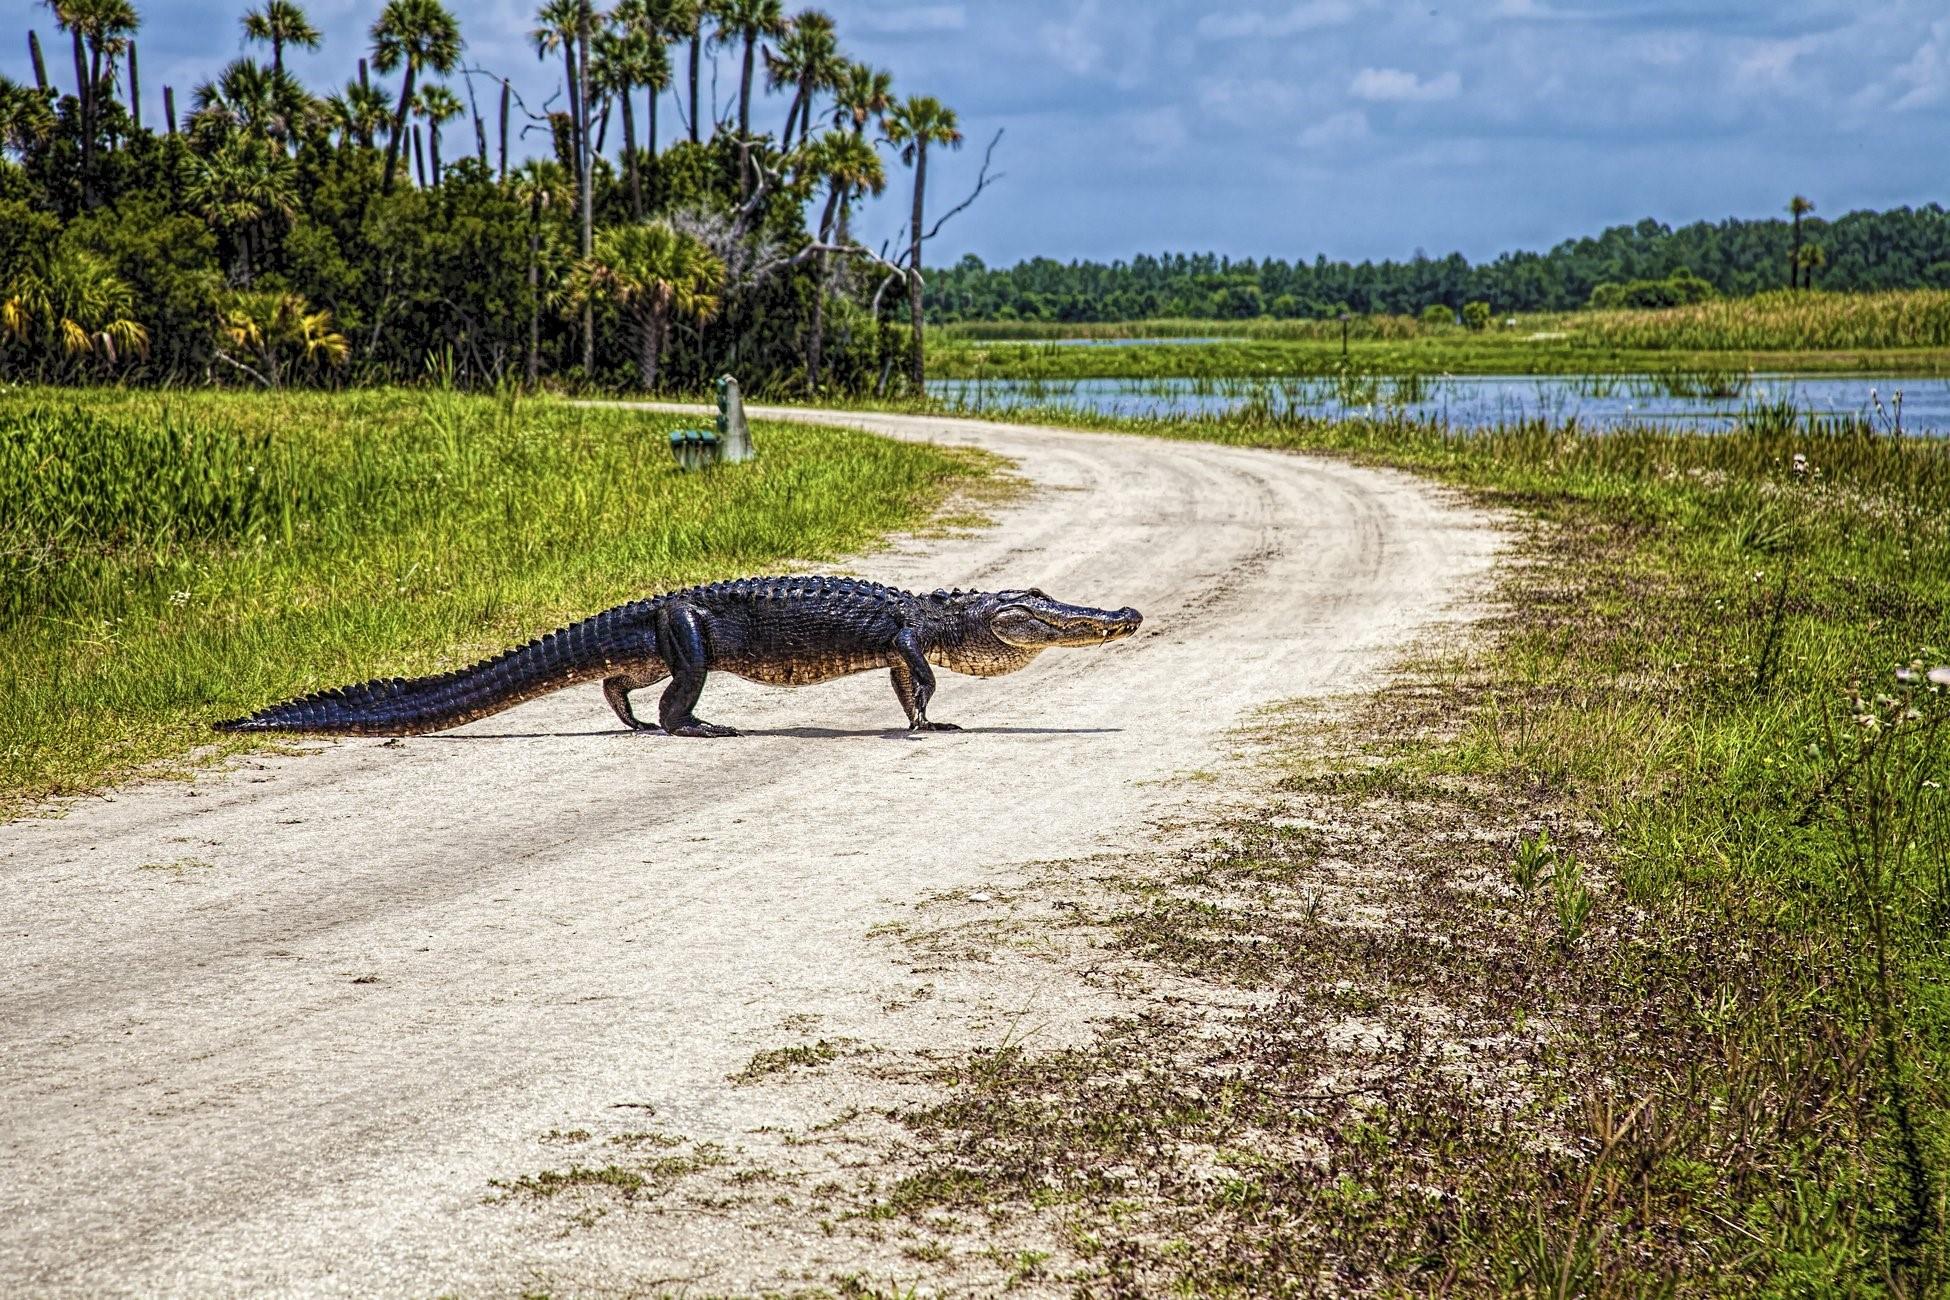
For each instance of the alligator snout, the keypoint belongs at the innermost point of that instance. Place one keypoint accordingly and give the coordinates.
(1121, 623)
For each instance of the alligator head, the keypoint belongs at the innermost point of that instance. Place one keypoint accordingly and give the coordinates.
(994, 632)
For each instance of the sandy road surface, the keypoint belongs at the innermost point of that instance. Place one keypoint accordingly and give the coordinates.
(278, 1030)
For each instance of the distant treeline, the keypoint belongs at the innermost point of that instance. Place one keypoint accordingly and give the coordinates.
(1905, 248)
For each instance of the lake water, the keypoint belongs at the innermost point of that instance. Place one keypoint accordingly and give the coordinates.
(1481, 401)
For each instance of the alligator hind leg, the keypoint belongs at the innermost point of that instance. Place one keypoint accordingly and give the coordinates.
(617, 688)
(680, 644)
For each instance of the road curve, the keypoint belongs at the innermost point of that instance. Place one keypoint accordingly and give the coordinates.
(276, 1030)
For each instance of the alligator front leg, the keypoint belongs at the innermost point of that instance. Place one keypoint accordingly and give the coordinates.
(617, 688)
(680, 644)
(914, 684)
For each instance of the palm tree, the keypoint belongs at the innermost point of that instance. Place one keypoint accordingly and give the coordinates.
(278, 24)
(747, 21)
(861, 94)
(1798, 207)
(74, 304)
(914, 125)
(278, 331)
(239, 186)
(559, 24)
(649, 271)
(248, 97)
(416, 34)
(26, 120)
(1810, 258)
(102, 28)
(437, 105)
(628, 57)
(359, 112)
(660, 22)
(540, 185)
(851, 166)
(809, 61)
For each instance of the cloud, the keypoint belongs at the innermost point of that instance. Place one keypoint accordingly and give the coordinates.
(1925, 76)
(1336, 130)
(1394, 86)
(1304, 17)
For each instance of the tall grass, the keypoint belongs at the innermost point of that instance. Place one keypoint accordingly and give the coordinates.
(1716, 665)
(1380, 326)
(166, 559)
(1775, 322)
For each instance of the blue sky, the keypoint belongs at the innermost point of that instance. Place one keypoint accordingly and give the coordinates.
(1354, 128)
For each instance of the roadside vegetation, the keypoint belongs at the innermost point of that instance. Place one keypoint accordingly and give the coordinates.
(1602, 960)
(167, 559)
(1898, 333)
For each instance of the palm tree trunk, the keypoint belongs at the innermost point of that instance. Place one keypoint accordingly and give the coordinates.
(419, 157)
(792, 116)
(602, 125)
(629, 155)
(697, 49)
(745, 87)
(433, 141)
(534, 289)
(918, 370)
(649, 348)
(816, 340)
(504, 130)
(40, 64)
(585, 185)
(135, 91)
(575, 108)
(277, 53)
(826, 215)
(650, 122)
(84, 96)
(399, 128)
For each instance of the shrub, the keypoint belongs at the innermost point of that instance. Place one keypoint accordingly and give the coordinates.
(1476, 315)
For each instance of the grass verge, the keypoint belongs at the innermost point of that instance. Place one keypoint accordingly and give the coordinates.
(167, 559)
(1607, 962)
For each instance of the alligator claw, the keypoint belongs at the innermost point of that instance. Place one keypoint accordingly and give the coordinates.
(710, 730)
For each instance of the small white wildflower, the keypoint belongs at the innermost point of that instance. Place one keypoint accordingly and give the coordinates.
(1800, 463)
(179, 597)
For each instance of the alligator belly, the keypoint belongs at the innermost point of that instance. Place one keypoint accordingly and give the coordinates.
(808, 670)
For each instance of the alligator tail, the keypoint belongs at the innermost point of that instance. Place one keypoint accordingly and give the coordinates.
(397, 707)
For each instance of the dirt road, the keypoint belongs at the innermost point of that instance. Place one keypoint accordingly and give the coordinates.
(280, 1030)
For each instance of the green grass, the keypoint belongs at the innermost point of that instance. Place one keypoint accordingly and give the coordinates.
(1905, 333)
(168, 559)
(1722, 970)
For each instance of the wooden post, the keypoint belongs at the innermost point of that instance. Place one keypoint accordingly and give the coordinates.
(169, 109)
(135, 91)
(40, 64)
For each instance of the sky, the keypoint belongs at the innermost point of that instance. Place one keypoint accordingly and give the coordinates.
(1290, 128)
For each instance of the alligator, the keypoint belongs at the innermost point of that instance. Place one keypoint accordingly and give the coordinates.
(780, 631)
